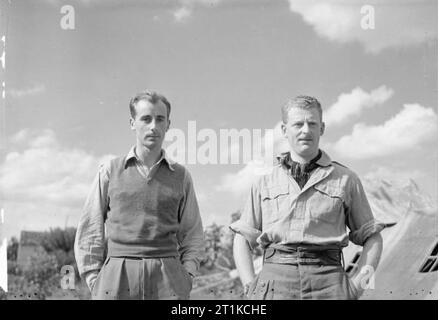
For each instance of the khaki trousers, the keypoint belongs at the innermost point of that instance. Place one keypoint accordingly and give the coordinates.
(300, 282)
(124, 278)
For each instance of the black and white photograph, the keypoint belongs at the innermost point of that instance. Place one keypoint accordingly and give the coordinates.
(223, 150)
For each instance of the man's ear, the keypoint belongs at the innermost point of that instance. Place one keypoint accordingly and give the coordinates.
(168, 125)
(283, 129)
(322, 128)
(131, 122)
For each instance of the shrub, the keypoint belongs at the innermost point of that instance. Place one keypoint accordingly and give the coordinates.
(60, 243)
(14, 268)
(37, 279)
(59, 239)
(3, 294)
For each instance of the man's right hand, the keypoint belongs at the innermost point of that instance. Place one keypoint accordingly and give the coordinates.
(247, 286)
(90, 279)
(243, 259)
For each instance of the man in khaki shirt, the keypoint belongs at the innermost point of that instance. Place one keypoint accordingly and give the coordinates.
(298, 214)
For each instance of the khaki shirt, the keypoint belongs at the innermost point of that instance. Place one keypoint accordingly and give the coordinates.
(279, 212)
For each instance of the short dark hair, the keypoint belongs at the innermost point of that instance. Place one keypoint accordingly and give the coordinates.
(151, 96)
(302, 102)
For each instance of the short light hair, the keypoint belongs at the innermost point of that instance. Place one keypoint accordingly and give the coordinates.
(302, 102)
(151, 96)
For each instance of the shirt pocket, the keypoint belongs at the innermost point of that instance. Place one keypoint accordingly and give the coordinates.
(326, 203)
(275, 202)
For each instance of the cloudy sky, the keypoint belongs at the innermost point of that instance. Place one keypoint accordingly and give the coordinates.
(226, 64)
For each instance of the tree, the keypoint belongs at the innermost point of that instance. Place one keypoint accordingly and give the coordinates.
(219, 248)
(212, 238)
(59, 239)
(12, 249)
(60, 243)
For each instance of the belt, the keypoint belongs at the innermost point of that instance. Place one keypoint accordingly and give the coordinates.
(139, 258)
(303, 255)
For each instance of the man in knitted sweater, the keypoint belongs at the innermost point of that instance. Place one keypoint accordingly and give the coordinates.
(146, 205)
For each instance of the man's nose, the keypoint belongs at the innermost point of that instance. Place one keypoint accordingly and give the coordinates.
(153, 124)
(305, 127)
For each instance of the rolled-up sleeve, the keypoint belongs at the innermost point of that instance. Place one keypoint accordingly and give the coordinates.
(250, 223)
(360, 219)
(190, 234)
(90, 235)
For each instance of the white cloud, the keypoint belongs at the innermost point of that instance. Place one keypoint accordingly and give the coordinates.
(206, 3)
(182, 14)
(37, 216)
(20, 136)
(396, 25)
(392, 174)
(45, 172)
(412, 126)
(18, 93)
(239, 183)
(393, 191)
(352, 104)
(86, 3)
(187, 6)
(115, 3)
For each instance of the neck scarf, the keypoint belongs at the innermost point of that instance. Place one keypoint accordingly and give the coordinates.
(301, 172)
